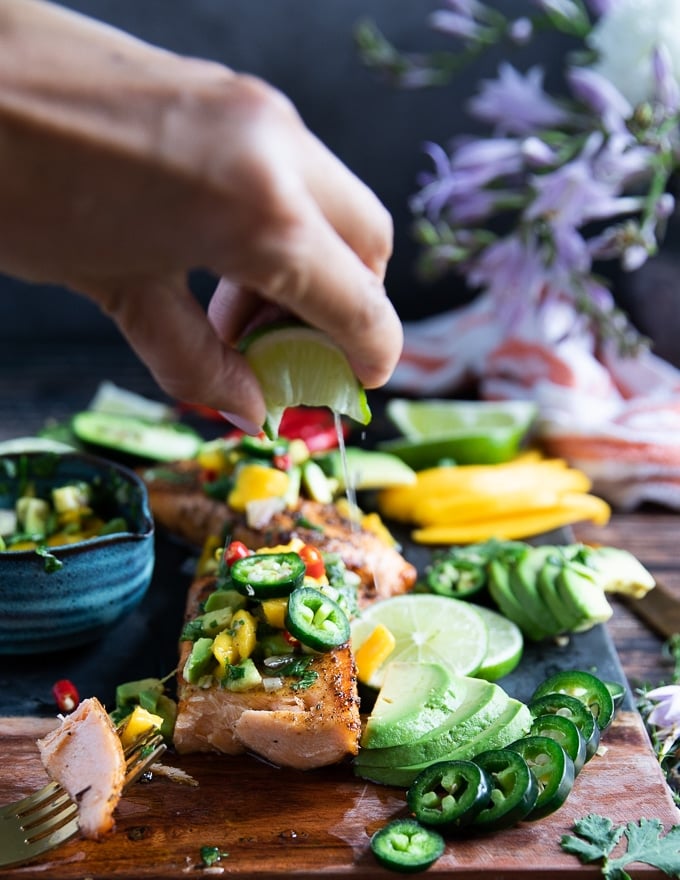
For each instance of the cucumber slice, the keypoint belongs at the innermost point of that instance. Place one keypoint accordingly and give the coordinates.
(164, 441)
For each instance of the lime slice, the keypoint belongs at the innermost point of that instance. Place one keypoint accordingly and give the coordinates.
(506, 645)
(426, 629)
(299, 365)
(469, 432)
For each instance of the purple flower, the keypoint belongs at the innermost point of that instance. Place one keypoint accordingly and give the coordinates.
(667, 87)
(601, 96)
(573, 195)
(462, 176)
(517, 104)
(666, 713)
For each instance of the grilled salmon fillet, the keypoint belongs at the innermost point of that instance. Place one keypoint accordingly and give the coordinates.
(290, 726)
(180, 505)
(85, 756)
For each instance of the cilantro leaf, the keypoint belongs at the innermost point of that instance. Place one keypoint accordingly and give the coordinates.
(596, 837)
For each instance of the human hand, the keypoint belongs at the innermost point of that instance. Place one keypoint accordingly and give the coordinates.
(154, 165)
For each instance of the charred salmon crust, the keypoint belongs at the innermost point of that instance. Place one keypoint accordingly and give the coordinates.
(289, 726)
(180, 505)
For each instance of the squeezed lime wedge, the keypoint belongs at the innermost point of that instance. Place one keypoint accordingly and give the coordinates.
(300, 365)
(465, 432)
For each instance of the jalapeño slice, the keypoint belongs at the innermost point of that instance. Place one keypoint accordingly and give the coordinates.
(449, 794)
(566, 733)
(552, 768)
(585, 687)
(267, 575)
(514, 789)
(576, 711)
(405, 845)
(316, 620)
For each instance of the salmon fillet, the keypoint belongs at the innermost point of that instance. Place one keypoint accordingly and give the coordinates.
(85, 756)
(294, 727)
(179, 505)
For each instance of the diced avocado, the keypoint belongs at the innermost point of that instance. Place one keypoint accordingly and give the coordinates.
(511, 724)
(166, 707)
(524, 584)
(199, 661)
(214, 621)
(130, 692)
(579, 589)
(71, 498)
(292, 493)
(481, 702)
(242, 677)
(225, 599)
(315, 482)
(33, 515)
(366, 468)
(503, 595)
(414, 699)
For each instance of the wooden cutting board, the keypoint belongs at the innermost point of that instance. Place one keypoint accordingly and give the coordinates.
(276, 822)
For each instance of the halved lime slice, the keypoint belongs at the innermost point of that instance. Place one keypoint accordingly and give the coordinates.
(300, 365)
(468, 432)
(426, 629)
(506, 645)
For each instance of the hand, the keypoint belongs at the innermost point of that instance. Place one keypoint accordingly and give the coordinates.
(132, 166)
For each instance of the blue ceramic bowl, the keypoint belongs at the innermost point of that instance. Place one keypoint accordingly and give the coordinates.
(46, 607)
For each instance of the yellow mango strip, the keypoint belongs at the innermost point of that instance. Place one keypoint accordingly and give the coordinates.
(572, 508)
(373, 652)
(435, 510)
(468, 481)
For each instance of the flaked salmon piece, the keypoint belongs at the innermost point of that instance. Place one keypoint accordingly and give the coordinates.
(294, 727)
(180, 505)
(85, 756)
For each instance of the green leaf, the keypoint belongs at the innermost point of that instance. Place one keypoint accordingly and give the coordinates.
(597, 836)
(646, 843)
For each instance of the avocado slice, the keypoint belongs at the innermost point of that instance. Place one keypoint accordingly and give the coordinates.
(524, 584)
(579, 589)
(414, 699)
(619, 571)
(547, 590)
(481, 704)
(502, 593)
(366, 468)
(512, 723)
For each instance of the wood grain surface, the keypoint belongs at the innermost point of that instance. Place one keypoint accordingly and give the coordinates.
(274, 822)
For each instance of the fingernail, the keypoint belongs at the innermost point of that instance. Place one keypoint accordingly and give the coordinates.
(242, 424)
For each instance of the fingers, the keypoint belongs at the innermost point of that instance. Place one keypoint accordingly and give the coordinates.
(351, 208)
(309, 270)
(170, 332)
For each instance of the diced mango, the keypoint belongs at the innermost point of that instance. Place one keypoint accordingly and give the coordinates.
(138, 723)
(374, 652)
(256, 482)
(274, 611)
(244, 633)
(224, 650)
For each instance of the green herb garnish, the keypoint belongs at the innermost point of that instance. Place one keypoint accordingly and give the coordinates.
(596, 838)
(51, 564)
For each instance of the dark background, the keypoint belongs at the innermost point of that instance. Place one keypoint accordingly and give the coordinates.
(306, 48)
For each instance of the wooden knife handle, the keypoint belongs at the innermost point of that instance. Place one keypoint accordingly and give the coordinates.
(659, 609)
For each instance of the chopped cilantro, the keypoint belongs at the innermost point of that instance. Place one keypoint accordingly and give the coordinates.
(298, 667)
(596, 838)
(210, 855)
(192, 630)
(52, 564)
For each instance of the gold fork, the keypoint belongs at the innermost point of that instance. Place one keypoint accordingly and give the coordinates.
(49, 817)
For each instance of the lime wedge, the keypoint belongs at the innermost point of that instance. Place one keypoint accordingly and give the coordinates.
(506, 645)
(426, 629)
(297, 365)
(468, 432)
